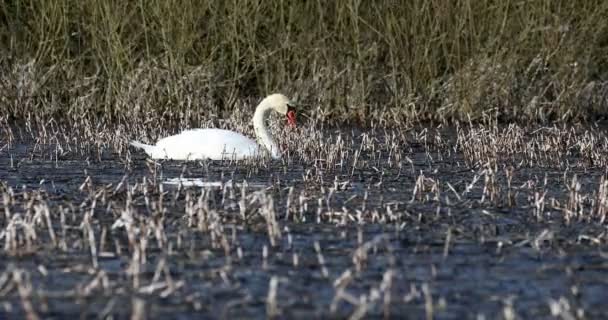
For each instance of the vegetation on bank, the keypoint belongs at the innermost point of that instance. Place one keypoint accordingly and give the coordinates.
(353, 61)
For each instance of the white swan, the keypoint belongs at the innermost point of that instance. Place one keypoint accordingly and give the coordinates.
(218, 144)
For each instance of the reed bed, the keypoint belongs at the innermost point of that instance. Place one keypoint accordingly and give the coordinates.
(348, 61)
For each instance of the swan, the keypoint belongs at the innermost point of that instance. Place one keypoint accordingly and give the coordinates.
(218, 144)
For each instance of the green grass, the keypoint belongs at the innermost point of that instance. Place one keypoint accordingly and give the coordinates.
(348, 61)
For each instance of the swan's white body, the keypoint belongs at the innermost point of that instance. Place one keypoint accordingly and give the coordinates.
(214, 144)
(219, 144)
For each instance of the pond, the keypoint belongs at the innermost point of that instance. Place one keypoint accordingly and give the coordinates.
(445, 223)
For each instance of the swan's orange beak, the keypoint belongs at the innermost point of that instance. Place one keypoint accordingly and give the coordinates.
(291, 118)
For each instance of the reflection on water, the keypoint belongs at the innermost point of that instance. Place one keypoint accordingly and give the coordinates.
(202, 183)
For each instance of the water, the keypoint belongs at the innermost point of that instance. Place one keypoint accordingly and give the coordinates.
(379, 240)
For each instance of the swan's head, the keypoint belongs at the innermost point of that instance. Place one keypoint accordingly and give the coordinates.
(282, 105)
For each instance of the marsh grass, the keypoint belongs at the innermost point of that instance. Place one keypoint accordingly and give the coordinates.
(349, 224)
(347, 61)
(394, 218)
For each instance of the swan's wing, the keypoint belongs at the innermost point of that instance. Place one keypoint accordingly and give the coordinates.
(212, 144)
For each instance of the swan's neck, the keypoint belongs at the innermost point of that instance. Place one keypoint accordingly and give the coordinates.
(261, 131)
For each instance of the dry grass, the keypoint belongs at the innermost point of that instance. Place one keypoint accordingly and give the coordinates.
(504, 188)
(390, 218)
(353, 61)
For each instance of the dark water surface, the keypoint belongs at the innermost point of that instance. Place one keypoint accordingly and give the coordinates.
(353, 242)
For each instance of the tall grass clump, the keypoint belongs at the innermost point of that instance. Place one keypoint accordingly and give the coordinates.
(354, 61)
